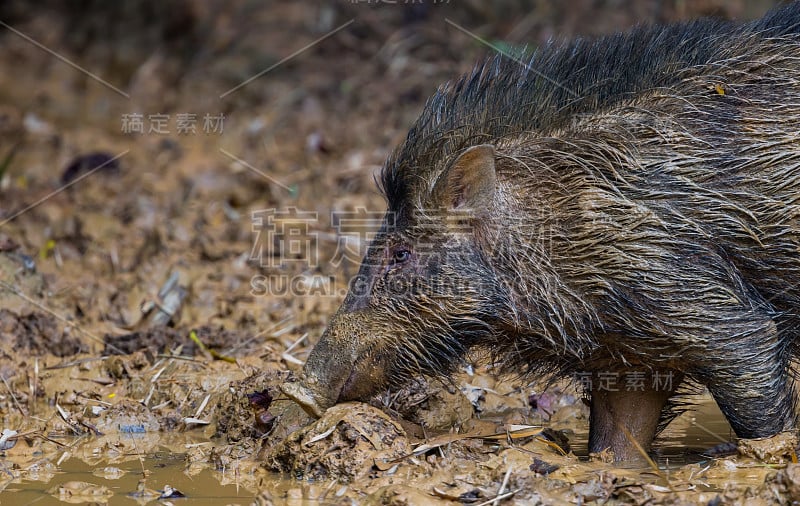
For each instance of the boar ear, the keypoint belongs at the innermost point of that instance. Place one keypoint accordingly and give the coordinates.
(469, 183)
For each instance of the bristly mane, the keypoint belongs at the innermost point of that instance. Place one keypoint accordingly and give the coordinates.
(502, 97)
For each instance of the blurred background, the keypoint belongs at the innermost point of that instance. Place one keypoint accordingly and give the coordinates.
(138, 138)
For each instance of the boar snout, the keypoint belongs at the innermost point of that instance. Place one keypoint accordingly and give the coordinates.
(342, 366)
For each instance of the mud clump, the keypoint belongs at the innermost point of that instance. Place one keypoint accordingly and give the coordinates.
(128, 417)
(784, 484)
(432, 405)
(36, 333)
(773, 450)
(238, 416)
(342, 445)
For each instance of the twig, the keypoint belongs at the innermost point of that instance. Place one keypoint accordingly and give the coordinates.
(202, 406)
(639, 448)
(14, 397)
(32, 386)
(182, 357)
(499, 498)
(72, 363)
(232, 350)
(502, 486)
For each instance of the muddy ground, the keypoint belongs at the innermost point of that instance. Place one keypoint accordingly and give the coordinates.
(185, 189)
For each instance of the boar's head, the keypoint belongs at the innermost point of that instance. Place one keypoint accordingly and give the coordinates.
(425, 293)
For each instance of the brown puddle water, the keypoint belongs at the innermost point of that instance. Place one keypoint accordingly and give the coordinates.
(164, 469)
(692, 435)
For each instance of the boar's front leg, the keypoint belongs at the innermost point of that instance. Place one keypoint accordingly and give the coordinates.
(622, 417)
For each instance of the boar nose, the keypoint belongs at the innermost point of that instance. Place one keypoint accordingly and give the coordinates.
(326, 371)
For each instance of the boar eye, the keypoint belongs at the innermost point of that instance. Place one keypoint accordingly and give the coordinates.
(401, 255)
